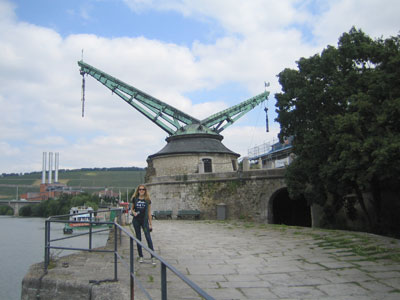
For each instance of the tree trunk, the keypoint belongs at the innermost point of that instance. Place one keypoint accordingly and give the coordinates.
(360, 199)
(377, 200)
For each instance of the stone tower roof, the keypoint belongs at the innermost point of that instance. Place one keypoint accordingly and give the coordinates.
(194, 143)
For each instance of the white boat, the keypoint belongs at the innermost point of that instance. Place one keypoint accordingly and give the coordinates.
(80, 214)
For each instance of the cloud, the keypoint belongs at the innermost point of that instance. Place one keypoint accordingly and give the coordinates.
(40, 94)
(241, 139)
(261, 39)
(237, 17)
(52, 141)
(7, 150)
(376, 18)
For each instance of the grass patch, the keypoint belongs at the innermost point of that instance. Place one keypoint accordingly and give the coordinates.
(358, 245)
(249, 225)
(52, 265)
(90, 174)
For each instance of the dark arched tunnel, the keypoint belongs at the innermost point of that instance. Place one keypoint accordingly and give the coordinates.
(294, 212)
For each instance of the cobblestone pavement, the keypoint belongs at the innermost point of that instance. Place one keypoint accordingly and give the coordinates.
(239, 260)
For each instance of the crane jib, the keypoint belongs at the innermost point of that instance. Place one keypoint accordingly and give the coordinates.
(167, 117)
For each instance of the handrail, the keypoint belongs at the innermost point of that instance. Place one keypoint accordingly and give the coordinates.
(117, 256)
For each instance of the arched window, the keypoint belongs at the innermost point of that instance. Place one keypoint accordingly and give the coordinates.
(207, 165)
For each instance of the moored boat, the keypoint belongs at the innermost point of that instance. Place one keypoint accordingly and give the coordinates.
(81, 217)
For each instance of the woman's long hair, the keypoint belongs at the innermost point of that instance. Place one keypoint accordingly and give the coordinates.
(136, 194)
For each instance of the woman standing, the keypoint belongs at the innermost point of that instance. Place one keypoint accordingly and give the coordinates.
(141, 212)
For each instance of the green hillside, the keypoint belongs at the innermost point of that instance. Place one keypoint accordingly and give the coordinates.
(90, 180)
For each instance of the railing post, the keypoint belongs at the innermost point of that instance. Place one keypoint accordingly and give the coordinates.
(46, 245)
(120, 223)
(115, 252)
(163, 281)
(90, 229)
(132, 269)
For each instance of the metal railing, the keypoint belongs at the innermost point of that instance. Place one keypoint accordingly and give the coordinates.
(118, 231)
(261, 149)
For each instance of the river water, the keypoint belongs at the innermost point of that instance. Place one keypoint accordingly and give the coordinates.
(22, 244)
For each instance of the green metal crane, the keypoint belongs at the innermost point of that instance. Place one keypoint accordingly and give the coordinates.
(169, 118)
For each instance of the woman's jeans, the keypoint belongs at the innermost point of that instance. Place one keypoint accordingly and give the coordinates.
(145, 225)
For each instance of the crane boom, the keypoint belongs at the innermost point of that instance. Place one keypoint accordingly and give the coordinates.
(233, 113)
(151, 107)
(169, 118)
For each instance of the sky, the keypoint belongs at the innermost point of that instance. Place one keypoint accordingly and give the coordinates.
(200, 56)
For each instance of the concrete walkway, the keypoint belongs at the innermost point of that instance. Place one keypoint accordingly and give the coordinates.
(238, 260)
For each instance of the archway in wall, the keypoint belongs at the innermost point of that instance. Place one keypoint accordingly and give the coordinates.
(288, 211)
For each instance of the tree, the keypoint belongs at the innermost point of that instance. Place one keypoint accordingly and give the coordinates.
(343, 108)
(80, 200)
(25, 211)
(6, 210)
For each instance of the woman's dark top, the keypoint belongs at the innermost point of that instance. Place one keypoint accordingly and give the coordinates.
(141, 207)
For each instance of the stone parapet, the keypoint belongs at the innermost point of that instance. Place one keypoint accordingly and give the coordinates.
(252, 174)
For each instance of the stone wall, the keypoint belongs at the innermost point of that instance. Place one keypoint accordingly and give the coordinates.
(245, 194)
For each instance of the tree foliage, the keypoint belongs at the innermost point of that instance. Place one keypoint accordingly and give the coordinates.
(343, 108)
(6, 210)
(59, 206)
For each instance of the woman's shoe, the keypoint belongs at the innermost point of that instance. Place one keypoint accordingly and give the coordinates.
(153, 261)
(141, 259)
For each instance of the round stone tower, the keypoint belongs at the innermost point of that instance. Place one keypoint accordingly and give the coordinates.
(192, 154)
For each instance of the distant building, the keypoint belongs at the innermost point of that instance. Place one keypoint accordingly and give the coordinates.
(272, 155)
(107, 194)
(50, 190)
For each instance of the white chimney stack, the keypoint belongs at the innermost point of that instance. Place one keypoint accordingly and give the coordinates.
(50, 166)
(44, 167)
(56, 167)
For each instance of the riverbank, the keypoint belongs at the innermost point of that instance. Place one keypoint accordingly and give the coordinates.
(76, 276)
